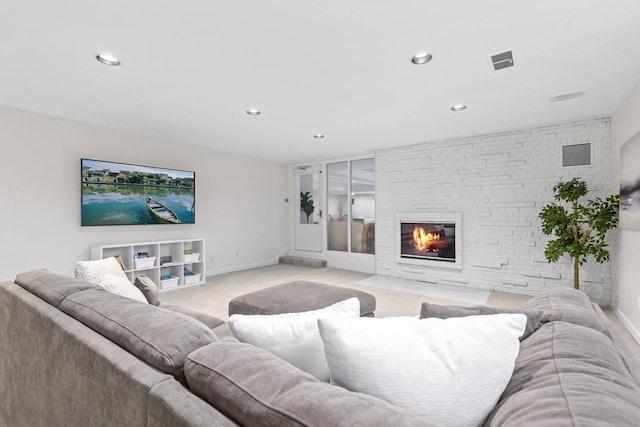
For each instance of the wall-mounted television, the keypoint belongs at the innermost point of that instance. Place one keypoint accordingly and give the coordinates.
(127, 194)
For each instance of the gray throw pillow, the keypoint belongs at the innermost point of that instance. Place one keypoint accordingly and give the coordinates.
(149, 289)
(447, 311)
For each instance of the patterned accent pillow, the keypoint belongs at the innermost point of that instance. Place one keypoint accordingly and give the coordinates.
(94, 271)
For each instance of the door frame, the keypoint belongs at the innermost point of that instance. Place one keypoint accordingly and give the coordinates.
(308, 237)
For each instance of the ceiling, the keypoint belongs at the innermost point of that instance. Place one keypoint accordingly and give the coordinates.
(190, 69)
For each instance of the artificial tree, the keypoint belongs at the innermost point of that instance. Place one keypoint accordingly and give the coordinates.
(306, 204)
(580, 229)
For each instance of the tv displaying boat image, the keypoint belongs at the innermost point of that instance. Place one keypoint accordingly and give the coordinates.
(127, 194)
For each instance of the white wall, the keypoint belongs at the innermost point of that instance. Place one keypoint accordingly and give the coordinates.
(625, 123)
(499, 183)
(240, 201)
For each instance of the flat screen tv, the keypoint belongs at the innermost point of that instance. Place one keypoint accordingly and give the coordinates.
(125, 194)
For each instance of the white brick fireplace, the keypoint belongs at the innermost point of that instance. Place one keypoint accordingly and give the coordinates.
(497, 183)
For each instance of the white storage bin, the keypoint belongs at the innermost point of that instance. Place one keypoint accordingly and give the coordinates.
(194, 257)
(194, 278)
(144, 262)
(169, 283)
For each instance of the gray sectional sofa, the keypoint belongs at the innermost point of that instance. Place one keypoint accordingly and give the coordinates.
(74, 355)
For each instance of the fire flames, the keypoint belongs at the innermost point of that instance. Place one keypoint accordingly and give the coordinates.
(422, 240)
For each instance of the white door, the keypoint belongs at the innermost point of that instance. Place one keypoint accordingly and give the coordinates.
(308, 208)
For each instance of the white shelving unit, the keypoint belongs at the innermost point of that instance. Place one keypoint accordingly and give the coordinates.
(166, 258)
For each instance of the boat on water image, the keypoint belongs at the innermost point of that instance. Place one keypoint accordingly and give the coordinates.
(161, 212)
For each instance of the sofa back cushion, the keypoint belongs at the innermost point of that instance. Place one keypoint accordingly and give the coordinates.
(160, 337)
(447, 311)
(254, 387)
(51, 287)
(568, 375)
(566, 305)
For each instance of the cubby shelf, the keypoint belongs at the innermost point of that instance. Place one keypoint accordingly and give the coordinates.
(169, 259)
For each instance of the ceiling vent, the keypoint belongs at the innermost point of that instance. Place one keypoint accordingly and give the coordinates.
(576, 155)
(502, 60)
(566, 96)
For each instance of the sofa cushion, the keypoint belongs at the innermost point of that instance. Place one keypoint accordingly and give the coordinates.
(51, 287)
(173, 405)
(446, 311)
(160, 337)
(149, 289)
(94, 271)
(293, 337)
(567, 305)
(450, 371)
(254, 387)
(568, 375)
(119, 285)
(210, 321)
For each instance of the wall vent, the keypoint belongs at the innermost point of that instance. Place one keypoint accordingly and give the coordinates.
(502, 60)
(576, 155)
(567, 96)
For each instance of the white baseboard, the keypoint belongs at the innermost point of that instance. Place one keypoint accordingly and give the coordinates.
(239, 268)
(272, 261)
(627, 324)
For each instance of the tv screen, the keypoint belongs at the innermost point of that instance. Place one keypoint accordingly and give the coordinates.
(124, 194)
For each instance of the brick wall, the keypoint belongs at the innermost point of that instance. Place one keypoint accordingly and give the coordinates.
(499, 183)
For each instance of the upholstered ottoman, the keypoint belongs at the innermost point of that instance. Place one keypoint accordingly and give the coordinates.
(299, 296)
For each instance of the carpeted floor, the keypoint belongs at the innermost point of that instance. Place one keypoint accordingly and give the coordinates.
(394, 297)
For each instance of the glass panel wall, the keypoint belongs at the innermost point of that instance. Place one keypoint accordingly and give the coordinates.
(363, 212)
(351, 206)
(338, 206)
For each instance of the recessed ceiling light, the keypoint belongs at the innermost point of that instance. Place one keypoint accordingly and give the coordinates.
(318, 136)
(458, 107)
(253, 112)
(421, 58)
(108, 59)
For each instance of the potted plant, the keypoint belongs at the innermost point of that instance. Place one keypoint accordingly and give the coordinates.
(580, 229)
(306, 204)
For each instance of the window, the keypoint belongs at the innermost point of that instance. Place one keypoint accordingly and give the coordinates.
(351, 206)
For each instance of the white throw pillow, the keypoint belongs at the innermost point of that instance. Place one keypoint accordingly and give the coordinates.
(94, 271)
(452, 371)
(293, 337)
(115, 284)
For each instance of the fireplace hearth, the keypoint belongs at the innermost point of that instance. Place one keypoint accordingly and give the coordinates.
(430, 239)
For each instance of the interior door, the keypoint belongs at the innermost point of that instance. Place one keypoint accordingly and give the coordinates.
(308, 208)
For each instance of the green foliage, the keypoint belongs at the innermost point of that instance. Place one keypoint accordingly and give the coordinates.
(580, 229)
(306, 204)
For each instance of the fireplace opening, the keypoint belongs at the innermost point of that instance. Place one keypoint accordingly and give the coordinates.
(428, 240)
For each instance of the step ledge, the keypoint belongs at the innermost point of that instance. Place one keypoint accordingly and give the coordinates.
(304, 262)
